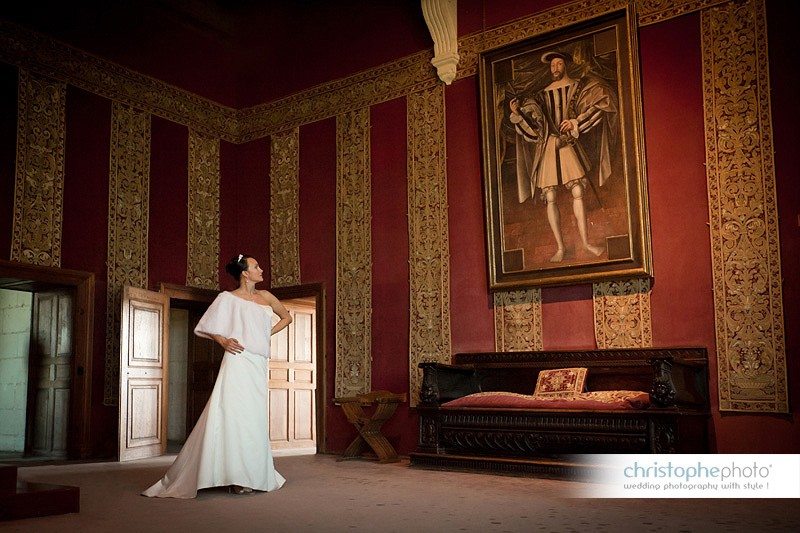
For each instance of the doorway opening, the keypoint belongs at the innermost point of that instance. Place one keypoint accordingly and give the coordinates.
(296, 403)
(45, 351)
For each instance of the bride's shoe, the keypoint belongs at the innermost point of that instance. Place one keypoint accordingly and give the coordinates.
(236, 489)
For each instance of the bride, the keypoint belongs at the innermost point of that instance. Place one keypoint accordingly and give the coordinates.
(229, 445)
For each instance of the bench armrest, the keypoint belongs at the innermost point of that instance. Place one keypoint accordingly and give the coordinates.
(680, 383)
(442, 383)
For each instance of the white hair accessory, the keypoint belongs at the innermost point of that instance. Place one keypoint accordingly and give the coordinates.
(239, 258)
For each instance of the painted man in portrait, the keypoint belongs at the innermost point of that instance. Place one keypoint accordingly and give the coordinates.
(563, 135)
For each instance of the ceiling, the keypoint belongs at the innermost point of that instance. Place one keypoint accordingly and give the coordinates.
(237, 52)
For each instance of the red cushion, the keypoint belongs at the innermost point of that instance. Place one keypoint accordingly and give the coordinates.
(601, 400)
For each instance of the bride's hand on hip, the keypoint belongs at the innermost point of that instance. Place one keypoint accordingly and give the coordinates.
(232, 345)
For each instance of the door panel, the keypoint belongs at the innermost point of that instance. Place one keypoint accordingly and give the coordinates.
(144, 339)
(292, 383)
(50, 380)
(279, 415)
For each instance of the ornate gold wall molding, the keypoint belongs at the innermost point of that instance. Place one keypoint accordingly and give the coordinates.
(284, 226)
(395, 79)
(745, 252)
(561, 16)
(202, 266)
(654, 11)
(518, 320)
(128, 218)
(429, 247)
(386, 82)
(353, 254)
(39, 185)
(622, 317)
(44, 55)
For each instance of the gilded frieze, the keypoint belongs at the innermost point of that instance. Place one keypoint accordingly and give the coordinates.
(38, 53)
(353, 254)
(518, 320)
(39, 184)
(429, 248)
(386, 82)
(202, 266)
(395, 79)
(560, 16)
(745, 253)
(128, 217)
(622, 316)
(284, 227)
(654, 11)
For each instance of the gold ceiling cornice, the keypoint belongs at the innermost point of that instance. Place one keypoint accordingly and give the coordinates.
(48, 57)
(655, 11)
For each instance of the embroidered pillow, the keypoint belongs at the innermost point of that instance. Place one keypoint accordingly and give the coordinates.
(560, 383)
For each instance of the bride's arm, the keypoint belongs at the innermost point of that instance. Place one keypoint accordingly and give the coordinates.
(279, 309)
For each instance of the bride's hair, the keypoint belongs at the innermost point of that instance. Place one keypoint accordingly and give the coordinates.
(237, 265)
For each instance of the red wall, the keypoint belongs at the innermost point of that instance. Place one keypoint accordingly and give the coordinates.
(318, 249)
(169, 193)
(84, 243)
(682, 299)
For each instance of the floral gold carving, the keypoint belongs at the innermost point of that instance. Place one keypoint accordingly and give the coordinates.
(537, 24)
(39, 186)
(38, 53)
(284, 228)
(518, 320)
(654, 11)
(395, 79)
(353, 254)
(386, 82)
(128, 217)
(622, 314)
(202, 267)
(745, 253)
(429, 249)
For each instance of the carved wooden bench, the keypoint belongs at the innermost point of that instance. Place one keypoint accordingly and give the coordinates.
(542, 441)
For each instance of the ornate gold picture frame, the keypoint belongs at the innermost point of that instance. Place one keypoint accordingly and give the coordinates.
(563, 154)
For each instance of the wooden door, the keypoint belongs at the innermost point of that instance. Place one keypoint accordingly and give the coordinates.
(292, 383)
(203, 362)
(144, 348)
(50, 379)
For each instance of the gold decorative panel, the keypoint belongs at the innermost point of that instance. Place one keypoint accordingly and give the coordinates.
(654, 11)
(395, 79)
(128, 218)
(539, 23)
(353, 254)
(386, 82)
(284, 226)
(518, 320)
(429, 247)
(745, 253)
(38, 53)
(202, 266)
(39, 187)
(622, 314)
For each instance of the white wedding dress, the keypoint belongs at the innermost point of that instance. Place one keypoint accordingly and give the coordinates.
(229, 445)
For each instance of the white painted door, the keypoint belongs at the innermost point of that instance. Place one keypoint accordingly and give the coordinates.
(144, 348)
(293, 383)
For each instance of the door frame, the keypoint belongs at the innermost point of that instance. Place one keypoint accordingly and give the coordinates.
(183, 293)
(33, 278)
(308, 290)
(316, 291)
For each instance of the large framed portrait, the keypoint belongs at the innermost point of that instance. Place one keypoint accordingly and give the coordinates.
(563, 154)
